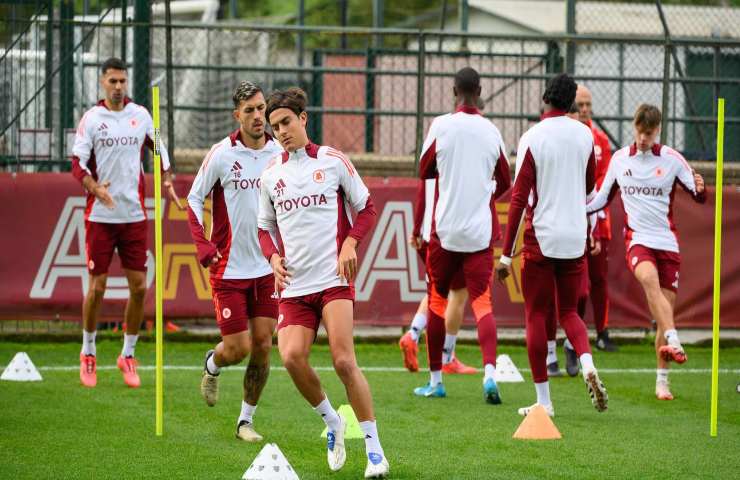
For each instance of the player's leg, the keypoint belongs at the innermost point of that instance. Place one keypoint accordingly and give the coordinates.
(298, 322)
(662, 384)
(409, 342)
(338, 321)
(441, 266)
(230, 305)
(454, 315)
(646, 270)
(478, 269)
(99, 247)
(571, 357)
(598, 269)
(553, 368)
(569, 274)
(263, 311)
(538, 288)
(131, 246)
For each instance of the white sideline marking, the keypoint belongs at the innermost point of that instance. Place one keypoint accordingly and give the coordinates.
(69, 368)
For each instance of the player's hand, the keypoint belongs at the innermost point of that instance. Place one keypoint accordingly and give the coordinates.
(170, 187)
(101, 193)
(699, 181)
(415, 241)
(502, 272)
(347, 263)
(282, 276)
(216, 258)
(595, 246)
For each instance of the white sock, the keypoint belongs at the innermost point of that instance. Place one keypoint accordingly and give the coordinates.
(328, 414)
(449, 348)
(587, 362)
(88, 342)
(418, 324)
(552, 355)
(672, 337)
(435, 377)
(662, 375)
(211, 366)
(247, 412)
(372, 442)
(543, 393)
(129, 344)
(568, 345)
(489, 370)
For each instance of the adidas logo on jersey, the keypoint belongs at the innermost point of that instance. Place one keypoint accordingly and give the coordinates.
(280, 188)
(627, 173)
(236, 167)
(102, 127)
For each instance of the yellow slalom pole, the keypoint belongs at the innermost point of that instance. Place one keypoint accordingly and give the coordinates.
(717, 266)
(159, 381)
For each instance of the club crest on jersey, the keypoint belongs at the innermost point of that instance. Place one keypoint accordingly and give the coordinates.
(319, 176)
(279, 188)
(659, 172)
(134, 122)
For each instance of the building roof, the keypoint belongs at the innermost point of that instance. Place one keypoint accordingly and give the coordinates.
(549, 16)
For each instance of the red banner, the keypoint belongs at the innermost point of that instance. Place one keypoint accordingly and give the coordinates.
(43, 272)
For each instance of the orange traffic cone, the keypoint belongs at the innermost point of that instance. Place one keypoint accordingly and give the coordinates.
(537, 426)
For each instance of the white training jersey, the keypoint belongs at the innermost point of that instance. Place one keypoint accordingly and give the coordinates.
(306, 196)
(554, 169)
(462, 150)
(109, 147)
(231, 174)
(647, 182)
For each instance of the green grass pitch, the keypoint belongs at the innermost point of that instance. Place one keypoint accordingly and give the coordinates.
(57, 429)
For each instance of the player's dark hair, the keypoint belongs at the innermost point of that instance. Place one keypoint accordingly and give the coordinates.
(573, 108)
(113, 63)
(292, 98)
(560, 91)
(245, 91)
(467, 81)
(647, 117)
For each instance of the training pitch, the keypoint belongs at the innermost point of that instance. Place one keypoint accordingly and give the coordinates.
(58, 429)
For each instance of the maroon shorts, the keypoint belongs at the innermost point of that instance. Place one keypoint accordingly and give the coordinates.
(458, 280)
(236, 301)
(306, 309)
(129, 239)
(455, 270)
(667, 263)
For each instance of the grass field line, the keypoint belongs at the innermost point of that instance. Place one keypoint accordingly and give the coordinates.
(69, 368)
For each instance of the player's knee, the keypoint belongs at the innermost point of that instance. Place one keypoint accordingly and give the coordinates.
(235, 353)
(292, 359)
(261, 345)
(345, 367)
(137, 291)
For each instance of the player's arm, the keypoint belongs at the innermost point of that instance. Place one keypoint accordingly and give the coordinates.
(207, 177)
(359, 199)
(165, 159)
(523, 184)
(502, 174)
(81, 154)
(601, 198)
(419, 208)
(687, 177)
(267, 230)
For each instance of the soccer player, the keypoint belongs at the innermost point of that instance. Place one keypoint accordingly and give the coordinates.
(241, 279)
(647, 173)
(464, 152)
(597, 257)
(554, 170)
(106, 159)
(409, 342)
(306, 197)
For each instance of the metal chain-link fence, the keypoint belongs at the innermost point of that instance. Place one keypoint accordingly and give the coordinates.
(370, 91)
